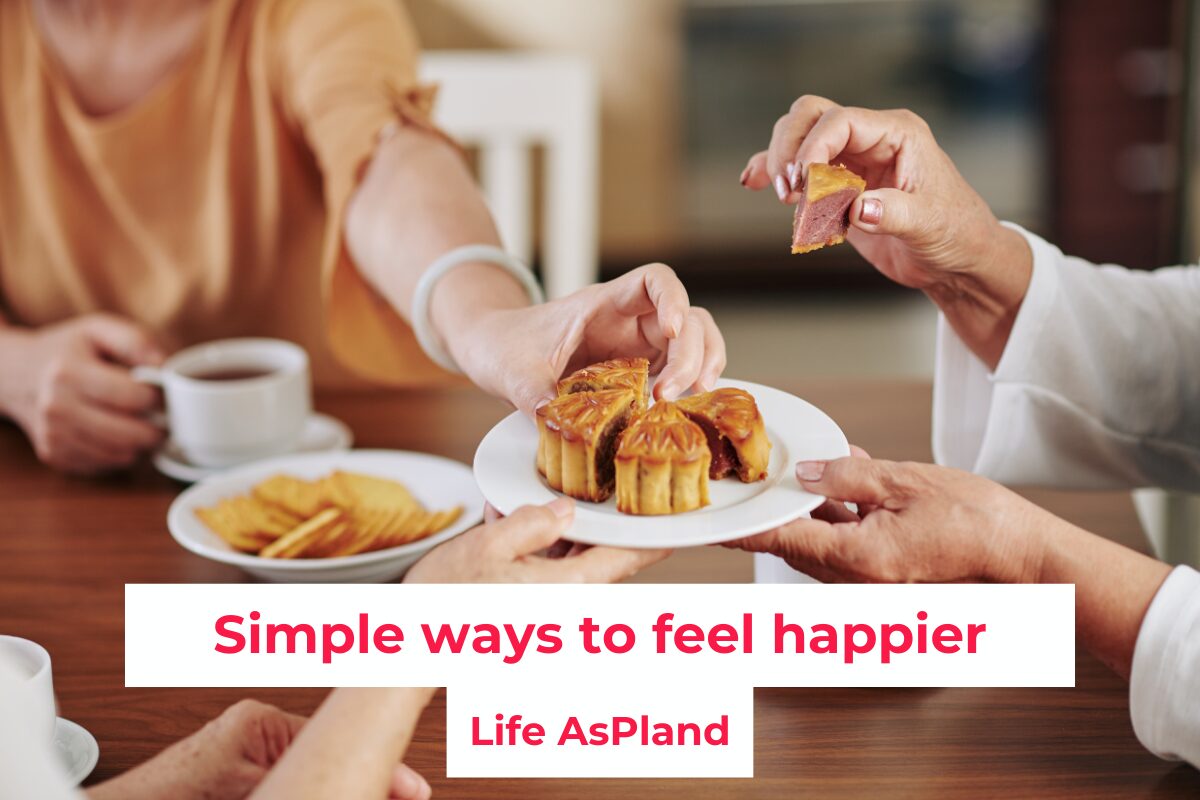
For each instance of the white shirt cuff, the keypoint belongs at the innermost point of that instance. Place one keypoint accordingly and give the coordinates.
(1164, 684)
(968, 429)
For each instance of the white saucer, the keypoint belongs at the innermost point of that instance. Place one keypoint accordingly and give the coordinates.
(508, 477)
(77, 749)
(322, 434)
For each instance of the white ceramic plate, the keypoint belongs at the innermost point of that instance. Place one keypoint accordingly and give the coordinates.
(508, 477)
(322, 433)
(437, 482)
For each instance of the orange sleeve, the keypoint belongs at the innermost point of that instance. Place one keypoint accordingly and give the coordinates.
(345, 70)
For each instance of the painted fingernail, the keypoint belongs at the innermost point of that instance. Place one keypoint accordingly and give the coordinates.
(745, 176)
(810, 470)
(562, 507)
(781, 188)
(791, 173)
(872, 211)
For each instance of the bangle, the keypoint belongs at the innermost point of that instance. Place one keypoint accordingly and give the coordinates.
(421, 324)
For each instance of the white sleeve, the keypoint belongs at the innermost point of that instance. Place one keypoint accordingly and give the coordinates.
(1097, 388)
(1164, 685)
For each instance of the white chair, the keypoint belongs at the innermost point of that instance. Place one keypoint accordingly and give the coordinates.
(506, 103)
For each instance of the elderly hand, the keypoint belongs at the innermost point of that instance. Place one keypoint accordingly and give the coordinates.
(504, 551)
(69, 388)
(519, 353)
(919, 222)
(227, 758)
(920, 523)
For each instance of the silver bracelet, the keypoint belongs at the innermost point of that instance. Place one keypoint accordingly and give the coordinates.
(421, 324)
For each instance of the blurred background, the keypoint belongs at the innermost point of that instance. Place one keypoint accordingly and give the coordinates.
(1068, 116)
(610, 134)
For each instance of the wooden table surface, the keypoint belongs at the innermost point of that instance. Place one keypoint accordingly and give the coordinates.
(67, 547)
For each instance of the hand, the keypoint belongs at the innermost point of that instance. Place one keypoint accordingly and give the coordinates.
(504, 552)
(519, 353)
(920, 523)
(69, 388)
(919, 222)
(227, 758)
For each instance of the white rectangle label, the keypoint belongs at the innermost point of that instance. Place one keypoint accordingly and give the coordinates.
(625, 657)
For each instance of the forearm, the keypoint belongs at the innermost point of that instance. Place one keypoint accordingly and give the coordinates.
(14, 391)
(981, 302)
(350, 747)
(416, 202)
(1113, 588)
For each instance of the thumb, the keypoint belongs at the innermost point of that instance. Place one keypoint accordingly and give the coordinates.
(890, 212)
(531, 392)
(851, 479)
(408, 784)
(123, 341)
(533, 528)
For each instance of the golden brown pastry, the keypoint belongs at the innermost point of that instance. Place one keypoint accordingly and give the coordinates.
(662, 464)
(616, 373)
(735, 432)
(821, 215)
(577, 439)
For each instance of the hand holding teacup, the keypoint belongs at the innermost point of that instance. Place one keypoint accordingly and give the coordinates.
(919, 222)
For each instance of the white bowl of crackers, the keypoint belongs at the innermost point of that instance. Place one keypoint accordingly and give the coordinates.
(357, 516)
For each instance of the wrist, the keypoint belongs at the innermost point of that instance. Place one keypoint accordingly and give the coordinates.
(12, 346)
(981, 301)
(466, 299)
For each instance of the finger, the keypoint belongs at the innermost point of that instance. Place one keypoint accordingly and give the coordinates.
(685, 356)
(531, 391)
(490, 514)
(834, 511)
(858, 452)
(810, 540)
(112, 386)
(790, 130)
(890, 212)
(115, 431)
(755, 176)
(653, 288)
(122, 341)
(408, 784)
(532, 528)
(602, 565)
(854, 480)
(714, 352)
(869, 137)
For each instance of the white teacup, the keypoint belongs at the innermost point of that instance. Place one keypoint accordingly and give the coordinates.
(234, 400)
(28, 664)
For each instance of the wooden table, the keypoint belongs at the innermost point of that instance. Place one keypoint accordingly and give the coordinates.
(67, 547)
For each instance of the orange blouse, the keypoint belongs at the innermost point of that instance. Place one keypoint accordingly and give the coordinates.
(213, 207)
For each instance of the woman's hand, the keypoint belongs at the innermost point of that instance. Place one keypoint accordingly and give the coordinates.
(505, 551)
(227, 758)
(519, 353)
(919, 222)
(921, 523)
(924, 523)
(69, 388)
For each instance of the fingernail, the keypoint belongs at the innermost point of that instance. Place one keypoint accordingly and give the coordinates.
(872, 211)
(676, 326)
(781, 188)
(810, 470)
(562, 507)
(791, 173)
(745, 175)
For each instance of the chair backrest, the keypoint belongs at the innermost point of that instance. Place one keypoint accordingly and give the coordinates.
(506, 103)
